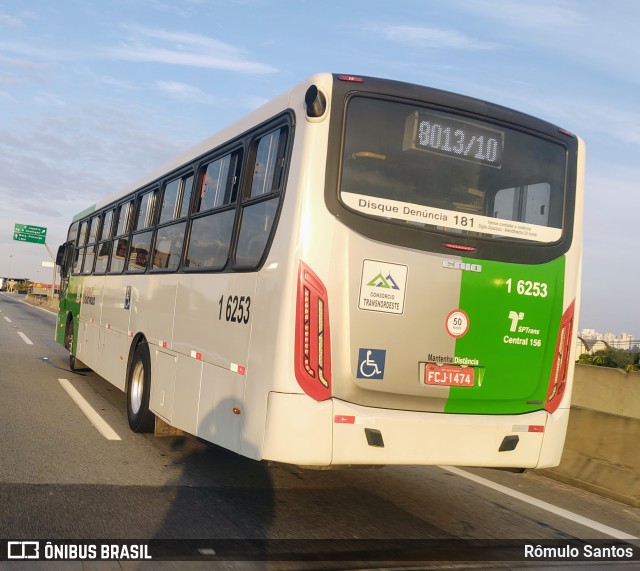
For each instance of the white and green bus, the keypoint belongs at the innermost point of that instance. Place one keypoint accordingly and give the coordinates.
(360, 272)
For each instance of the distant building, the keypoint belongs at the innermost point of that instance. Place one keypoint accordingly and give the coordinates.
(624, 341)
(590, 346)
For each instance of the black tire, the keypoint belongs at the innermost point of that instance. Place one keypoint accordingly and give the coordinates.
(141, 419)
(68, 343)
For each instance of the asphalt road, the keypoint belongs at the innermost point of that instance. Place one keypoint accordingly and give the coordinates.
(62, 479)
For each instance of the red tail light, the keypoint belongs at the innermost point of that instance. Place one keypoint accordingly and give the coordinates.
(312, 342)
(558, 380)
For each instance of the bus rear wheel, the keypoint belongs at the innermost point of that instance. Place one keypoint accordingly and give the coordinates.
(68, 343)
(141, 419)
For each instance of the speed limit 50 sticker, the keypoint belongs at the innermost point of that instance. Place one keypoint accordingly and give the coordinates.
(457, 323)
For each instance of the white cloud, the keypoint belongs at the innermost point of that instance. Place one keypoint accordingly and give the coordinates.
(11, 21)
(593, 34)
(179, 48)
(431, 37)
(542, 16)
(144, 45)
(184, 92)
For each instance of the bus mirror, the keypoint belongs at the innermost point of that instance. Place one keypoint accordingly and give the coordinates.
(315, 101)
(61, 259)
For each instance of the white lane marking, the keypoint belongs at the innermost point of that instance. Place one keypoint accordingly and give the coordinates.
(25, 338)
(616, 533)
(89, 411)
(7, 319)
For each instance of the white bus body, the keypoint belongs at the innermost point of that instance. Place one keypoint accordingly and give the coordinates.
(228, 350)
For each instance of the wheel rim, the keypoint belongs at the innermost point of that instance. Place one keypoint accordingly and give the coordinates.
(137, 387)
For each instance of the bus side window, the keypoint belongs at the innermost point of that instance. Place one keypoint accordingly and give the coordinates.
(90, 250)
(211, 234)
(168, 246)
(121, 240)
(89, 256)
(139, 251)
(120, 247)
(261, 206)
(78, 260)
(145, 211)
(103, 248)
(218, 185)
(257, 221)
(82, 236)
(170, 198)
(185, 198)
(102, 257)
(209, 241)
(124, 211)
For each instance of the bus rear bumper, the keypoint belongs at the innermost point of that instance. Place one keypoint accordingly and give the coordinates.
(334, 433)
(364, 435)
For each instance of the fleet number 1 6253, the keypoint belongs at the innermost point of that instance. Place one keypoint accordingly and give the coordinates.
(529, 288)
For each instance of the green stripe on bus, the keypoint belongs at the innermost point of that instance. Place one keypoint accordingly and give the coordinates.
(514, 314)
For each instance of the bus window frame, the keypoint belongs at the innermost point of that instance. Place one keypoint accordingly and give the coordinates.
(92, 241)
(237, 151)
(128, 202)
(285, 146)
(105, 238)
(178, 216)
(139, 227)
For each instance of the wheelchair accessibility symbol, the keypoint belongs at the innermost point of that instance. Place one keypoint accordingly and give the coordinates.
(371, 363)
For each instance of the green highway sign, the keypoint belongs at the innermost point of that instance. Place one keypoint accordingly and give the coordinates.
(26, 233)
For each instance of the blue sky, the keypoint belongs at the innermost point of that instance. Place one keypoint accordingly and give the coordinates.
(94, 94)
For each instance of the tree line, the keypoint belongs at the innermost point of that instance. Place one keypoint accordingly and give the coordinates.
(613, 358)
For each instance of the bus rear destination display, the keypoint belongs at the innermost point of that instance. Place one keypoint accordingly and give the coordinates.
(441, 134)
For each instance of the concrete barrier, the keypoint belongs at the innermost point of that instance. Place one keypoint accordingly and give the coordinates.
(602, 450)
(43, 301)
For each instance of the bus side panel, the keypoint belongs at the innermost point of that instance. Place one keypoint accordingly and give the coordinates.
(213, 322)
(213, 317)
(163, 383)
(112, 357)
(89, 320)
(115, 314)
(88, 343)
(221, 407)
(187, 394)
(115, 343)
(152, 306)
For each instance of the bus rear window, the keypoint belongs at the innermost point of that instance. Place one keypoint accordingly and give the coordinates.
(450, 173)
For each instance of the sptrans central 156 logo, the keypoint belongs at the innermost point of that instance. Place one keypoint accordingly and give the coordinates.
(383, 287)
